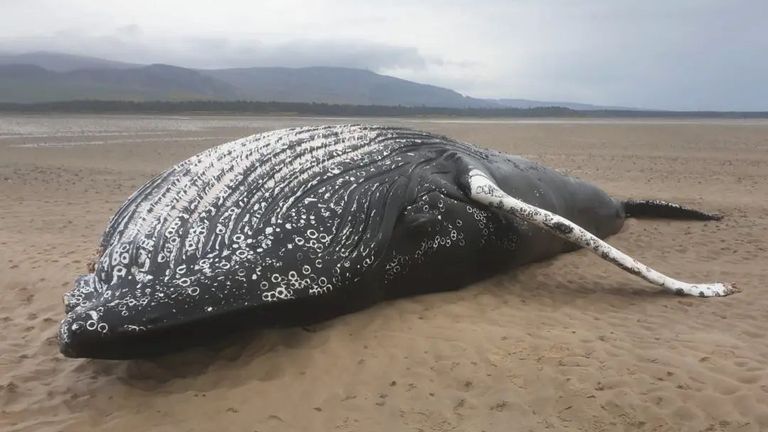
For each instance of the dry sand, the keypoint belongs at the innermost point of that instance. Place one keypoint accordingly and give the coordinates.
(567, 344)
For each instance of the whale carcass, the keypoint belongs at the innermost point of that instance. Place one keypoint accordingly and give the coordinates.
(298, 225)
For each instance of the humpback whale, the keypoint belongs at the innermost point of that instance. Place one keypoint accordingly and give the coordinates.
(299, 225)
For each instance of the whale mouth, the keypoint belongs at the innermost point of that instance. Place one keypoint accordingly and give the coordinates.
(89, 328)
(79, 337)
(98, 325)
(86, 333)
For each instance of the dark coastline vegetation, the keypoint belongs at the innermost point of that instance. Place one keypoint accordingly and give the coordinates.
(322, 109)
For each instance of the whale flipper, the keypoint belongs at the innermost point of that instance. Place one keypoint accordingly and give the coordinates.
(484, 190)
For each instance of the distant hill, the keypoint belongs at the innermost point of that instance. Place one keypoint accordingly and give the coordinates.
(335, 85)
(49, 77)
(29, 83)
(58, 62)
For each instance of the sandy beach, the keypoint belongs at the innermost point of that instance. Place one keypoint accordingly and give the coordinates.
(571, 343)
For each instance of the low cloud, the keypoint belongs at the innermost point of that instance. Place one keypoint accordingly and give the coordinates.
(131, 44)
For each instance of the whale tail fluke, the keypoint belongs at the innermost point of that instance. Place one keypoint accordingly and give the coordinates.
(666, 210)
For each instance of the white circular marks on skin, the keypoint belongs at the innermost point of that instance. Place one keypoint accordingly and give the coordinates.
(269, 217)
(454, 225)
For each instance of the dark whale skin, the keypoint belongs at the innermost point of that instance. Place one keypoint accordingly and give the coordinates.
(300, 225)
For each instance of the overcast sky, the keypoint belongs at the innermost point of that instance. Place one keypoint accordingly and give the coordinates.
(669, 54)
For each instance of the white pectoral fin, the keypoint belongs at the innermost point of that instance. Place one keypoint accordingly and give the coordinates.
(485, 191)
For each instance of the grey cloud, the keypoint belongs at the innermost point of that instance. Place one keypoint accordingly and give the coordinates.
(131, 44)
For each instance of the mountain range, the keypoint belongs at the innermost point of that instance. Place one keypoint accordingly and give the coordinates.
(47, 77)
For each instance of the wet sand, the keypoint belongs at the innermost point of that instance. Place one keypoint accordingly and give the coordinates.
(567, 344)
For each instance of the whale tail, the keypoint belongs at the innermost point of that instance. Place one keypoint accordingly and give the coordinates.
(666, 210)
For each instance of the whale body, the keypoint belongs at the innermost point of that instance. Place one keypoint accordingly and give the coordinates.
(299, 225)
